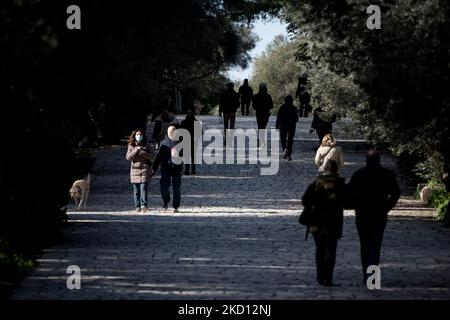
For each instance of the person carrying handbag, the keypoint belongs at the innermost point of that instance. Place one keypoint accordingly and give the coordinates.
(324, 202)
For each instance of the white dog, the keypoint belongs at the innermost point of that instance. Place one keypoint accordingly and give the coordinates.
(80, 192)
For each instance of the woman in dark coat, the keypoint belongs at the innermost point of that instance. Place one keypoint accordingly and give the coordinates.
(325, 197)
(140, 154)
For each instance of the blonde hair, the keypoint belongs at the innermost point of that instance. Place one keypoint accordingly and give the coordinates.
(328, 141)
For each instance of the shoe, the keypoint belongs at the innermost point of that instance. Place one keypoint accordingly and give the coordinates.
(186, 173)
(289, 158)
(193, 172)
(164, 207)
(144, 209)
(138, 209)
(175, 210)
(285, 154)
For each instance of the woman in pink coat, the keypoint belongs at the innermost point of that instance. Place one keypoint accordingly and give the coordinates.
(140, 155)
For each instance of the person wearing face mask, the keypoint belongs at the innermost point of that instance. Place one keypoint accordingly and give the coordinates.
(140, 155)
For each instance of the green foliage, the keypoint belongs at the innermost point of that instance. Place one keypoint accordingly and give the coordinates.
(13, 267)
(278, 69)
(439, 199)
(280, 66)
(400, 72)
(60, 86)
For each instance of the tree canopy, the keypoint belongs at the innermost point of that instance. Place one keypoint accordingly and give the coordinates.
(401, 69)
(101, 81)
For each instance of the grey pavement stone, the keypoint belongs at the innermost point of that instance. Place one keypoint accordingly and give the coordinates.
(236, 237)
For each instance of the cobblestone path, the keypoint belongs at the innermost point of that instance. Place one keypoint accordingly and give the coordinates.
(236, 237)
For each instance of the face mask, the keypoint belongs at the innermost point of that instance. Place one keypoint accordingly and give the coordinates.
(139, 138)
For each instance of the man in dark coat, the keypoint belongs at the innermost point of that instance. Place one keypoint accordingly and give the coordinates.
(326, 197)
(286, 122)
(189, 123)
(322, 123)
(374, 191)
(246, 95)
(303, 96)
(229, 104)
(262, 103)
(170, 171)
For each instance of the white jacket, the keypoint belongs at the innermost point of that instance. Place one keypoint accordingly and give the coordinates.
(329, 153)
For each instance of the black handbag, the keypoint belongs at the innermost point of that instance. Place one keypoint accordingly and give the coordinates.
(305, 218)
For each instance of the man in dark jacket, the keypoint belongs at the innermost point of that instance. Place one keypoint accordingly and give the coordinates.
(326, 197)
(303, 96)
(322, 123)
(229, 104)
(286, 122)
(374, 191)
(262, 103)
(189, 123)
(170, 171)
(246, 95)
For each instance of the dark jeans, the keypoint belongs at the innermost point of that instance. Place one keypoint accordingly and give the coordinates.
(228, 120)
(169, 178)
(187, 166)
(370, 237)
(245, 106)
(287, 139)
(140, 192)
(326, 245)
(304, 110)
(262, 119)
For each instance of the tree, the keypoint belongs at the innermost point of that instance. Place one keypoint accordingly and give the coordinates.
(401, 69)
(284, 61)
(60, 85)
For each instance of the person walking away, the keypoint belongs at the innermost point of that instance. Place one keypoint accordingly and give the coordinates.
(329, 150)
(197, 107)
(326, 198)
(246, 96)
(140, 154)
(304, 99)
(374, 191)
(322, 124)
(229, 104)
(189, 123)
(262, 103)
(287, 119)
(162, 123)
(170, 171)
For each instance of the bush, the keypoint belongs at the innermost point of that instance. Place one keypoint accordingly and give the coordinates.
(439, 199)
(13, 267)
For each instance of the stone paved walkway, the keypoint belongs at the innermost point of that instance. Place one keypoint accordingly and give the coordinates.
(236, 237)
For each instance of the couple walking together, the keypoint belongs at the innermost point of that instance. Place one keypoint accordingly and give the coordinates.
(372, 192)
(142, 169)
